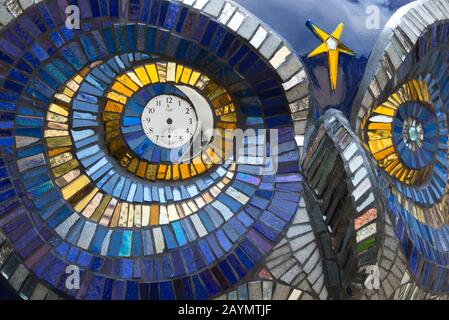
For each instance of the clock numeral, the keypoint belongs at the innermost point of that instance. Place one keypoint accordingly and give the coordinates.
(151, 110)
(158, 103)
(169, 100)
(187, 110)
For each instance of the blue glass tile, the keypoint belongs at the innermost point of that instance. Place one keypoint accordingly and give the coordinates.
(8, 84)
(109, 39)
(214, 215)
(84, 259)
(63, 249)
(200, 291)
(42, 264)
(29, 122)
(162, 42)
(169, 238)
(171, 16)
(114, 244)
(137, 248)
(15, 75)
(181, 20)
(243, 258)
(73, 254)
(230, 202)
(212, 286)
(223, 240)
(127, 268)
(154, 291)
(227, 272)
(97, 264)
(113, 8)
(158, 268)
(24, 35)
(145, 10)
(206, 252)
(147, 240)
(148, 269)
(132, 41)
(177, 264)
(95, 289)
(163, 13)
(44, 12)
(144, 291)
(118, 290)
(89, 48)
(53, 274)
(75, 232)
(95, 8)
(226, 43)
(154, 12)
(137, 270)
(67, 33)
(166, 291)
(180, 237)
(197, 258)
(5, 58)
(125, 247)
(265, 230)
(237, 266)
(167, 268)
(61, 215)
(231, 232)
(31, 59)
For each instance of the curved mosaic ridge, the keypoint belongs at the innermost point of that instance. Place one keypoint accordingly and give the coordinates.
(347, 220)
(150, 80)
(102, 193)
(59, 206)
(293, 268)
(392, 52)
(395, 281)
(267, 289)
(401, 114)
(296, 261)
(407, 136)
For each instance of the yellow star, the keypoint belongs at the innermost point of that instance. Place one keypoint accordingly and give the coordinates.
(332, 46)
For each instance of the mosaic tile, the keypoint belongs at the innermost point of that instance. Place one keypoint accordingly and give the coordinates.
(85, 180)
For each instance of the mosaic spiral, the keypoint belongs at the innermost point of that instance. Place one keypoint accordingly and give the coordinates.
(86, 186)
(406, 132)
(181, 149)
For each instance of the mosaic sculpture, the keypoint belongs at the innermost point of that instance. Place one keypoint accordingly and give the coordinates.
(357, 204)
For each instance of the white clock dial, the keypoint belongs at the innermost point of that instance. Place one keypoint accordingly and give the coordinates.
(169, 121)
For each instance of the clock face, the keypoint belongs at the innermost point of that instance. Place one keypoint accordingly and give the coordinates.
(169, 121)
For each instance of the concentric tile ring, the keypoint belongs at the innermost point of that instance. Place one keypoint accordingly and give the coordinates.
(199, 256)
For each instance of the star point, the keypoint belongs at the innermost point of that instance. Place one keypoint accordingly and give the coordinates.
(332, 46)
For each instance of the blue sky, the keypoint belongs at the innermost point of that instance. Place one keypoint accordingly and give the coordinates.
(288, 18)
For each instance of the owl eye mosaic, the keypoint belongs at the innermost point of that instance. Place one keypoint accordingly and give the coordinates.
(172, 149)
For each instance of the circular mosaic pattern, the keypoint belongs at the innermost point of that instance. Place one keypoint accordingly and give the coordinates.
(415, 135)
(96, 194)
(406, 132)
(91, 183)
(407, 136)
